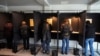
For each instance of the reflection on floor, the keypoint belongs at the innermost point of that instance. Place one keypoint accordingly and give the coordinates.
(27, 53)
(22, 52)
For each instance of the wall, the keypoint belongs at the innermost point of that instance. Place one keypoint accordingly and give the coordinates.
(71, 7)
(24, 8)
(3, 8)
(94, 8)
(67, 7)
(63, 8)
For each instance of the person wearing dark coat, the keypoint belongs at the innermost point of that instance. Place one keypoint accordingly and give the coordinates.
(24, 30)
(46, 38)
(8, 33)
(89, 38)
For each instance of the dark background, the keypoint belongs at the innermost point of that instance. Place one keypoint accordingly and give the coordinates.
(5, 16)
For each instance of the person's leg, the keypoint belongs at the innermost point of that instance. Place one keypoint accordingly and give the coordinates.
(63, 46)
(27, 43)
(91, 46)
(47, 47)
(86, 47)
(14, 47)
(24, 43)
(11, 43)
(67, 45)
(8, 42)
(43, 46)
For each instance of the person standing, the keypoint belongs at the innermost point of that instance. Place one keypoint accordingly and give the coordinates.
(8, 33)
(25, 34)
(89, 38)
(65, 32)
(46, 38)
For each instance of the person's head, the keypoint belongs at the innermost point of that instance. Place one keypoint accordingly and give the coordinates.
(45, 21)
(87, 22)
(8, 21)
(66, 22)
(23, 22)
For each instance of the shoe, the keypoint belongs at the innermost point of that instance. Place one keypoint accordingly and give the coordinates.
(62, 53)
(83, 53)
(66, 53)
(43, 52)
(90, 55)
(47, 52)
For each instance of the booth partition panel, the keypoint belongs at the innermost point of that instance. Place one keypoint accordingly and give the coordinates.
(82, 28)
(37, 18)
(17, 18)
(3, 19)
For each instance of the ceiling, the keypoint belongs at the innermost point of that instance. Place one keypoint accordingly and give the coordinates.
(2, 2)
(18, 2)
(35, 2)
(69, 1)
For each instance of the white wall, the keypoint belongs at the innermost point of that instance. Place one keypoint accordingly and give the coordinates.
(3, 8)
(63, 8)
(68, 7)
(24, 8)
(95, 8)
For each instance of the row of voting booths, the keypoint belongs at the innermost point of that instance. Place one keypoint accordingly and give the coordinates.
(34, 20)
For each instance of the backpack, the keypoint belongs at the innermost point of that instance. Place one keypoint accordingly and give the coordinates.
(65, 30)
(24, 31)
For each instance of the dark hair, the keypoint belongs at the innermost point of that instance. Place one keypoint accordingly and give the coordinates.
(87, 22)
(8, 21)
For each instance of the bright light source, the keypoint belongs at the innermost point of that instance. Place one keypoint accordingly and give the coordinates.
(69, 21)
(89, 20)
(49, 20)
(31, 22)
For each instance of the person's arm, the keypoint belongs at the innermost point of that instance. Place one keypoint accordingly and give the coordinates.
(70, 28)
(62, 26)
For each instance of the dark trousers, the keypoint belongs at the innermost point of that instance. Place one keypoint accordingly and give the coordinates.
(15, 42)
(9, 42)
(46, 46)
(14, 49)
(26, 42)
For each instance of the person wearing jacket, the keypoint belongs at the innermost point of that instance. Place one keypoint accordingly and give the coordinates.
(8, 33)
(89, 38)
(46, 37)
(65, 32)
(24, 30)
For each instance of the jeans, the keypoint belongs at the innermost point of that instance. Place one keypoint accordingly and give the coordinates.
(46, 45)
(65, 45)
(90, 42)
